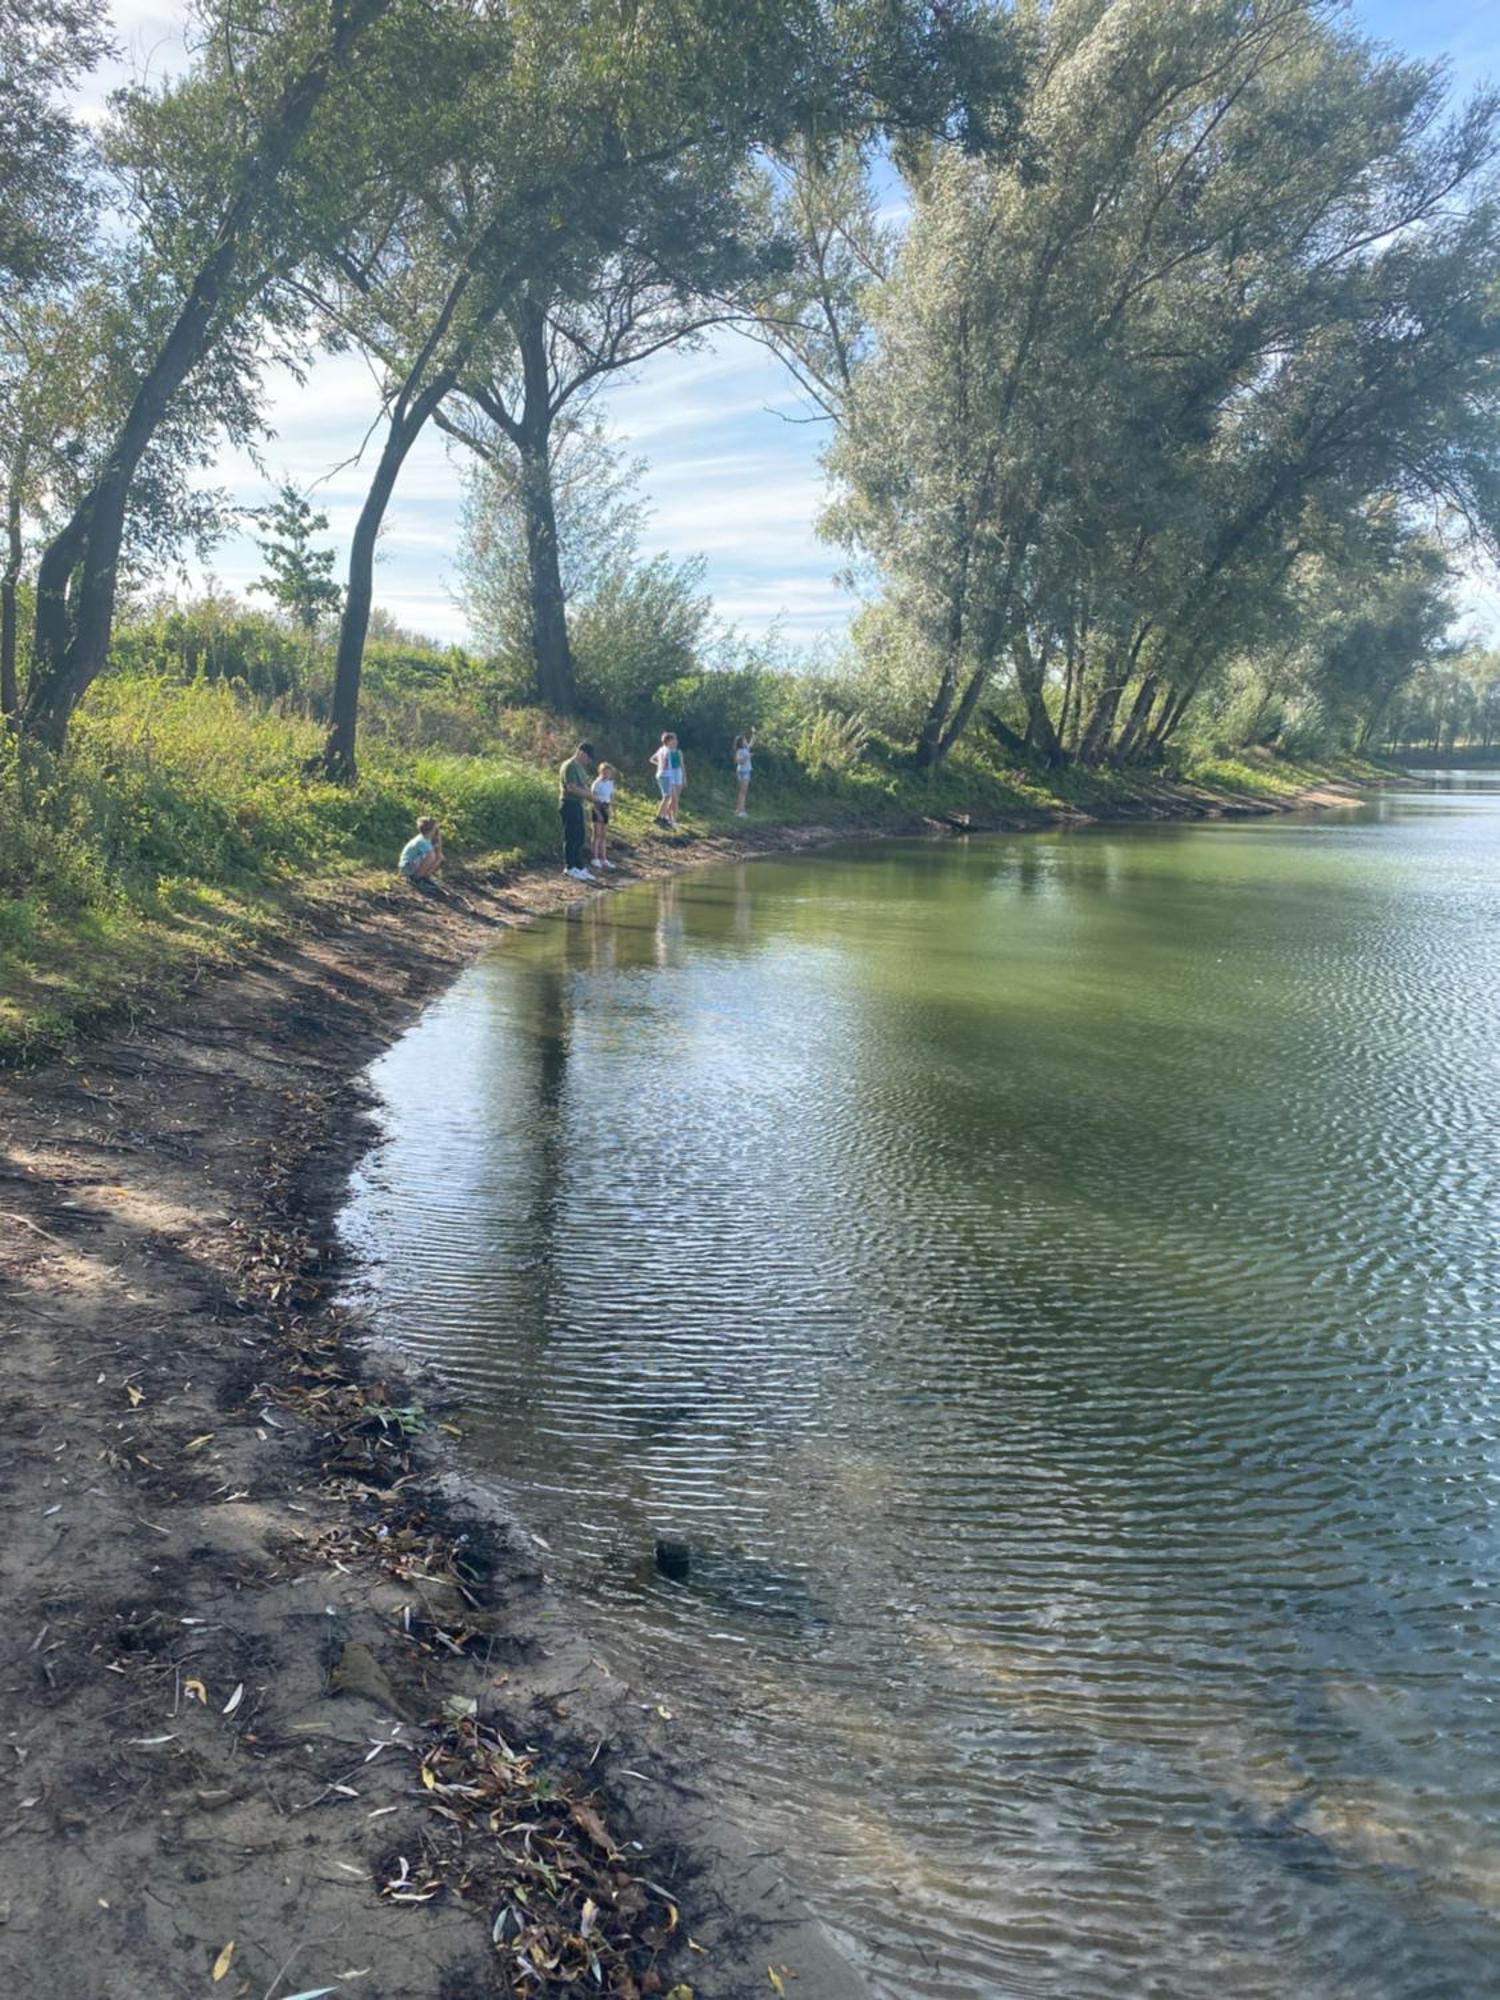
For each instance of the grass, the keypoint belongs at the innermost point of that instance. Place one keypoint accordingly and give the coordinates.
(181, 828)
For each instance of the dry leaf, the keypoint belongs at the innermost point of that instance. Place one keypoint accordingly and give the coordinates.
(776, 1980)
(195, 1691)
(135, 1395)
(680, 1993)
(197, 1444)
(235, 1699)
(223, 1962)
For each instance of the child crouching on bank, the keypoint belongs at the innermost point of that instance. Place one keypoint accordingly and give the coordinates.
(422, 855)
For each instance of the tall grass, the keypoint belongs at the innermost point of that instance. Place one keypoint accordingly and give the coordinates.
(181, 814)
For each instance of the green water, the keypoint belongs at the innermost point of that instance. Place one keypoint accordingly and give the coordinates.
(1054, 1282)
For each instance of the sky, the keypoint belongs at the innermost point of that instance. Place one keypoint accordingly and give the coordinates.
(732, 457)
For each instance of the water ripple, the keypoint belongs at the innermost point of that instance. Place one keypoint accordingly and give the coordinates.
(1055, 1284)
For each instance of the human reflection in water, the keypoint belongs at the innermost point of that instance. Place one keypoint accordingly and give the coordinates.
(550, 993)
(668, 924)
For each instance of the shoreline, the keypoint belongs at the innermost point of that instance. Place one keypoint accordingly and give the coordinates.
(237, 1561)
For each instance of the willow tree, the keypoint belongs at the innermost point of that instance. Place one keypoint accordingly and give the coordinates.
(47, 170)
(207, 169)
(1236, 277)
(677, 265)
(527, 173)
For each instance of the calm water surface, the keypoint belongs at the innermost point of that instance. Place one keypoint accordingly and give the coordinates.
(1056, 1282)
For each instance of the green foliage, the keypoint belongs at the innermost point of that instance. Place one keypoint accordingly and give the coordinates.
(1228, 301)
(831, 745)
(299, 578)
(180, 811)
(45, 45)
(215, 637)
(639, 634)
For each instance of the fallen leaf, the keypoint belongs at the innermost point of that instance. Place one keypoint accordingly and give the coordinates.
(223, 1962)
(776, 1980)
(594, 1827)
(680, 1993)
(135, 1395)
(195, 1691)
(312, 1993)
(234, 1700)
(197, 1444)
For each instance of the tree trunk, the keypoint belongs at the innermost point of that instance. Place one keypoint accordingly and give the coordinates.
(931, 748)
(556, 687)
(77, 576)
(9, 582)
(1135, 722)
(1172, 712)
(1031, 677)
(359, 594)
(979, 680)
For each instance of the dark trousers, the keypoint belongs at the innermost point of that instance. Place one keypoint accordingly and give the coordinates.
(575, 841)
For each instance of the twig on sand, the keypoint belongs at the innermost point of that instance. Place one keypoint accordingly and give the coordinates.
(26, 1223)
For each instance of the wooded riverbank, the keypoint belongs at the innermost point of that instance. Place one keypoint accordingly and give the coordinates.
(236, 1565)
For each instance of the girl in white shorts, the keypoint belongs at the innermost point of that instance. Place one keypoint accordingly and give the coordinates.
(671, 776)
(601, 798)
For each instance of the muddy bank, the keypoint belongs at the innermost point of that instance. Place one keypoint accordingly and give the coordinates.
(270, 1676)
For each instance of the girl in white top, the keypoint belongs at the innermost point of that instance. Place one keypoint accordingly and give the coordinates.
(602, 793)
(743, 745)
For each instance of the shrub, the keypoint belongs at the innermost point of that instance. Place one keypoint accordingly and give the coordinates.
(639, 632)
(831, 745)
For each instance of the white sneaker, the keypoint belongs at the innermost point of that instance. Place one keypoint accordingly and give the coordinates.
(742, 815)
(604, 864)
(581, 875)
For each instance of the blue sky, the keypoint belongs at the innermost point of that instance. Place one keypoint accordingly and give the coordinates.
(732, 464)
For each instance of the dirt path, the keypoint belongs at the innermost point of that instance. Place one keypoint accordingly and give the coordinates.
(264, 1681)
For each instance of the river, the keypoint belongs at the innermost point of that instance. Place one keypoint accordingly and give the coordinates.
(1053, 1282)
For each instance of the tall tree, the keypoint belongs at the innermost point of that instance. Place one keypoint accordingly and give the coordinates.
(1118, 383)
(577, 116)
(208, 161)
(686, 246)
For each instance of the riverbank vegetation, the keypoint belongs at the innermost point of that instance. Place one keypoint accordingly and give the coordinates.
(1157, 346)
(183, 825)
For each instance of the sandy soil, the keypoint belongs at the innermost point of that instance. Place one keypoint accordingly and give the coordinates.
(271, 1676)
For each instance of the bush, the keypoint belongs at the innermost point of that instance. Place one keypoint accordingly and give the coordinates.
(831, 745)
(640, 632)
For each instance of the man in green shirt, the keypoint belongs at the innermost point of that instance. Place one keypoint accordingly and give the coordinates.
(573, 796)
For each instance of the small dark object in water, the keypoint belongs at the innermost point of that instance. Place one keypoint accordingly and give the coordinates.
(673, 1559)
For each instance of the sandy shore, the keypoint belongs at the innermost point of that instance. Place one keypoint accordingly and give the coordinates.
(272, 1674)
